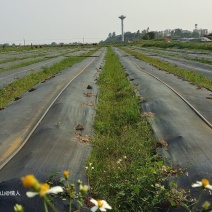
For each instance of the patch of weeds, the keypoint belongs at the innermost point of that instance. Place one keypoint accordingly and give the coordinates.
(127, 170)
(23, 64)
(176, 55)
(20, 58)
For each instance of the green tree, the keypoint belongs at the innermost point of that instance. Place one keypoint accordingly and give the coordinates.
(145, 37)
(138, 34)
(151, 35)
(53, 44)
(178, 32)
(195, 34)
(114, 35)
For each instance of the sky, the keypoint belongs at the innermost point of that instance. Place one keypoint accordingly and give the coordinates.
(90, 21)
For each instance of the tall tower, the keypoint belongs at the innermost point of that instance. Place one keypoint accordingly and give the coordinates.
(122, 26)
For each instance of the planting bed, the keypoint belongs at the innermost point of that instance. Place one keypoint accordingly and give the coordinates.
(53, 143)
(179, 60)
(47, 60)
(48, 129)
(187, 137)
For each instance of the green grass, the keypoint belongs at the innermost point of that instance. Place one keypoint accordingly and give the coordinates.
(21, 58)
(201, 60)
(186, 74)
(23, 64)
(127, 172)
(173, 44)
(9, 92)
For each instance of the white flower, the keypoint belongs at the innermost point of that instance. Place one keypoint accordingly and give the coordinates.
(119, 161)
(45, 190)
(102, 205)
(204, 183)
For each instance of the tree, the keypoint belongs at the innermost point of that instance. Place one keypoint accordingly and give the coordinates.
(53, 44)
(178, 32)
(145, 37)
(129, 36)
(138, 34)
(5, 45)
(187, 34)
(195, 34)
(151, 35)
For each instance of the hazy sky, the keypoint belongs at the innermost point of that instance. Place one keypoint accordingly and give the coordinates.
(45, 21)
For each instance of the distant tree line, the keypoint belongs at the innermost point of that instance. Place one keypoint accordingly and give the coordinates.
(130, 36)
(150, 35)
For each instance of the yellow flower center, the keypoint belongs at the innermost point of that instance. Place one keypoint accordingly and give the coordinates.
(100, 204)
(66, 174)
(205, 182)
(29, 181)
(44, 187)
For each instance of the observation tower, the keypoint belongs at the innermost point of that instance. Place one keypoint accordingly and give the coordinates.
(122, 17)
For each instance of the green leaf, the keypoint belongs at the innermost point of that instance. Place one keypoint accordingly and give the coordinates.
(173, 203)
(136, 189)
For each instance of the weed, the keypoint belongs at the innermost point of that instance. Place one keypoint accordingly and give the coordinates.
(23, 64)
(189, 45)
(127, 171)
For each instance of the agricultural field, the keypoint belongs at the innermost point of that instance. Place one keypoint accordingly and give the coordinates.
(202, 46)
(133, 122)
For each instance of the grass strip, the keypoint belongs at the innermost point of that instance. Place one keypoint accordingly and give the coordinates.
(21, 58)
(124, 168)
(201, 60)
(31, 61)
(182, 45)
(22, 64)
(9, 92)
(186, 74)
